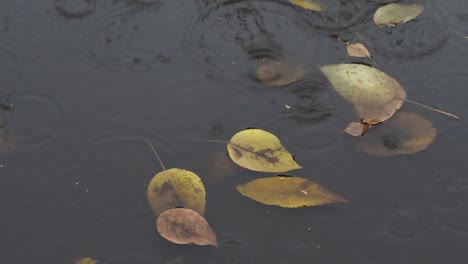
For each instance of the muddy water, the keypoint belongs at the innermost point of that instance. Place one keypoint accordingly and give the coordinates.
(91, 80)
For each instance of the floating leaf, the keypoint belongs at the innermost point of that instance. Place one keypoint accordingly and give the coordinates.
(375, 95)
(86, 260)
(185, 226)
(405, 133)
(258, 150)
(279, 72)
(356, 129)
(176, 187)
(393, 14)
(357, 50)
(309, 4)
(288, 192)
(359, 129)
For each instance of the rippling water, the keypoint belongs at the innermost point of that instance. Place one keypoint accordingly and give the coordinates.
(86, 82)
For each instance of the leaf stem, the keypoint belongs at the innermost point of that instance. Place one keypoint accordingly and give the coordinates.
(155, 154)
(434, 109)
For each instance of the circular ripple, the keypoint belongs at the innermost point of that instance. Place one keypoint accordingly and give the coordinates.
(422, 36)
(340, 15)
(120, 34)
(450, 206)
(312, 107)
(403, 224)
(36, 120)
(307, 101)
(229, 38)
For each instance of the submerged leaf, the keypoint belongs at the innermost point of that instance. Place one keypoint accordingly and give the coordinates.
(279, 72)
(86, 260)
(393, 14)
(258, 150)
(185, 226)
(176, 187)
(374, 94)
(291, 192)
(405, 133)
(7, 142)
(357, 50)
(309, 4)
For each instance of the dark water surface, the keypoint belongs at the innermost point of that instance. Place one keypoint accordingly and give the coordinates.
(90, 80)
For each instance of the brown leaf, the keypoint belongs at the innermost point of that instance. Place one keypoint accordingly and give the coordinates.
(357, 50)
(356, 129)
(185, 226)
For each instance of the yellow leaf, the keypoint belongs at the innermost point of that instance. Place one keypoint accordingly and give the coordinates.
(393, 14)
(406, 133)
(176, 187)
(291, 192)
(309, 4)
(185, 226)
(258, 150)
(374, 94)
(86, 260)
(357, 50)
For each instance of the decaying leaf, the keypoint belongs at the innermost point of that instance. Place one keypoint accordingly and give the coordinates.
(405, 133)
(374, 94)
(185, 226)
(356, 129)
(258, 150)
(393, 14)
(86, 260)
(357, 50)
(176, 187)
(291, 192)
(279, 72)
(309, 4)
